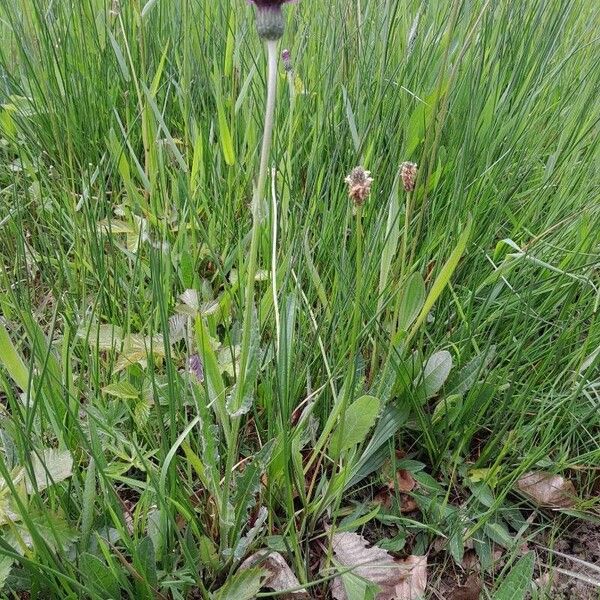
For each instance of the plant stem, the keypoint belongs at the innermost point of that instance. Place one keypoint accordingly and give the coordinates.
(258, 213)
(403, 252)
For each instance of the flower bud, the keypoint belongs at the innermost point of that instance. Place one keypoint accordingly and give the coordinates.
(269, 19)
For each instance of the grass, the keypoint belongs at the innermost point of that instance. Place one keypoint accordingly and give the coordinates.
(129, 143)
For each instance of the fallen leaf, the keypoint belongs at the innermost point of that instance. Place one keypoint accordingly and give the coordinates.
(471, 590)
(279, 575)
(397, 579)
(405, 482)
(547, 489)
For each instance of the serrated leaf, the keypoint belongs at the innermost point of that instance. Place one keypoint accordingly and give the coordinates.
(435, 373)
(516, 584)
(242, 397)
(247, 487)
(357, 422)
(105, 337)
(146, 558)
(123, 390)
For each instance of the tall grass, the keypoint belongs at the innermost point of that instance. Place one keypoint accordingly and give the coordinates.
(129, 138)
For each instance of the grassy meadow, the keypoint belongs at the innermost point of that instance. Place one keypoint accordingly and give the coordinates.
(190, 375)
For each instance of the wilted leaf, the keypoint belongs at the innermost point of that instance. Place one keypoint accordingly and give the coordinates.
(405, 482)
(547, 489)
(280, 577)
(397, 579)
(470, 590)
(435, 373)
(53, 467)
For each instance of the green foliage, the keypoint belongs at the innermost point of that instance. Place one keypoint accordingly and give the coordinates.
(457, 324)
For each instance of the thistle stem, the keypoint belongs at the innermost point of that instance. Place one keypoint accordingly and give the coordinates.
(258, 213)
(259, 199)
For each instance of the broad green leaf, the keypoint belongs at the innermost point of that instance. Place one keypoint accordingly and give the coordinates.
(498, 533)
(462, 381)
(356, 587)
(52, 466)
(212, 374)
(98, 576)
(516, 583)
(412, 297)
(11, 360)
(242, 397)
(442, 279)
(146, 559)
(435, 373)
(444, 409)
(123, 390)
(244, 585)
(359, 418)
(376, 451)
(6, 563)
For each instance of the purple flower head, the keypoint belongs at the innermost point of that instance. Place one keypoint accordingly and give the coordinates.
(196, 367)
(286, 57)
(268, 3)
(269, 19)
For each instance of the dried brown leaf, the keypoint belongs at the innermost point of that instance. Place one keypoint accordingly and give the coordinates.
(405, 482)
(397, 579)
(279, 575)
(471, 590)
(548, 490)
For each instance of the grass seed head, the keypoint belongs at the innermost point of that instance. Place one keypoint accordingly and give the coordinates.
(359, 185)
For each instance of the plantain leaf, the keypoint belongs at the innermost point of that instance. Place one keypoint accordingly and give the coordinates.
(359, 418)
(516, 584)
(244, 585)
